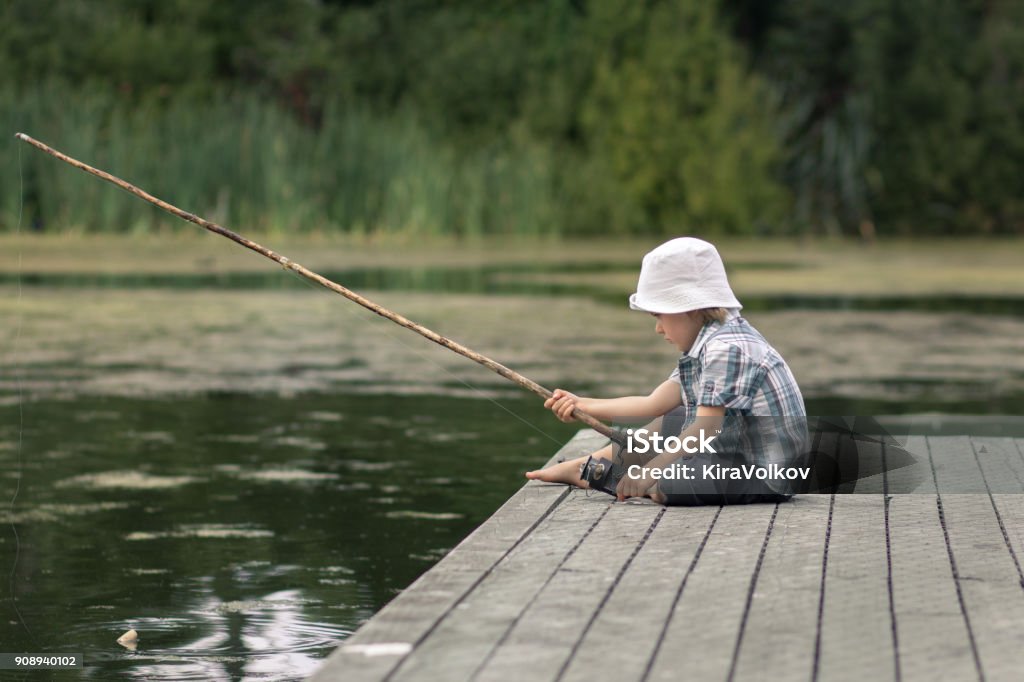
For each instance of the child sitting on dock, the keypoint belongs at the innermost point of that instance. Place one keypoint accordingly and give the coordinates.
(728, 373)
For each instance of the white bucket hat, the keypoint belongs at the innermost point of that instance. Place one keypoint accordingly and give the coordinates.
(682, 275)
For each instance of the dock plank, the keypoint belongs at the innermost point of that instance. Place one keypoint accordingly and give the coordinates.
(640, 604)
(701, 635)
(857, 625)
(1001, 464)
(933, 638)
(985, 570)
(955, 466)
(916, 478)
(779, 638)
(1008, 506)
(932, 634)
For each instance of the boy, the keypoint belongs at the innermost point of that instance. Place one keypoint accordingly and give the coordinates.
(730, 381)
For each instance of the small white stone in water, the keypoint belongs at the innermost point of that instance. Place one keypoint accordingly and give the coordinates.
(129, 639)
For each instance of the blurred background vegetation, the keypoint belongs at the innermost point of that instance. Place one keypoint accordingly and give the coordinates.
(525, 117)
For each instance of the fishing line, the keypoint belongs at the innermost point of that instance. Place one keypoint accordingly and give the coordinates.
(400, 339)
(21, 404)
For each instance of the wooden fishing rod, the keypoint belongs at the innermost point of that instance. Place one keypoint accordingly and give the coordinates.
(288, 264)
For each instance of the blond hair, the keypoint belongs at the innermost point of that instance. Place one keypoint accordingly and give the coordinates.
(713, 314)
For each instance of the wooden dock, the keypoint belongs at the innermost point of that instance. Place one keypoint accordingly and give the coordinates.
(560, 584)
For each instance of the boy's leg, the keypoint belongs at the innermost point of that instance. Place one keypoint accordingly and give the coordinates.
(563, 472)
(569, 470)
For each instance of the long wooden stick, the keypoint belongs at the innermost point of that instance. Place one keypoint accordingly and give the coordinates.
(497, 367)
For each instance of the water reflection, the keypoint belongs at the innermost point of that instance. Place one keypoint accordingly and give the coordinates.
(266, 638)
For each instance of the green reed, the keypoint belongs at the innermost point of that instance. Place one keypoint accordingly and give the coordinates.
(245, 162)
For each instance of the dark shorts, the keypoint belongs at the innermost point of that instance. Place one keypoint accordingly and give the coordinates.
(697, 493)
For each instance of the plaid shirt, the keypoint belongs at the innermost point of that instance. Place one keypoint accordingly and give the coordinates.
(732, 365)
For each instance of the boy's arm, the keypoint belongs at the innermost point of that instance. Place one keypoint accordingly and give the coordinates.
(664, 398)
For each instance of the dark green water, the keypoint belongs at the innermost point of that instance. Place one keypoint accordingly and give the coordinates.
(241, 536)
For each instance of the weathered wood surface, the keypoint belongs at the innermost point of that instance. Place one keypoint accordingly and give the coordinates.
(562, 585)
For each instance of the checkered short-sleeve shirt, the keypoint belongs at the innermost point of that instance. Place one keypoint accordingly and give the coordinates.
(732, 365)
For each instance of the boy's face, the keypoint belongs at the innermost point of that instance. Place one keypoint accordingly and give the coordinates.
(679, 329)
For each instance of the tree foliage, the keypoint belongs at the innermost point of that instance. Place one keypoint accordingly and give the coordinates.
(902, 113)
(684, 131)
(736, 117)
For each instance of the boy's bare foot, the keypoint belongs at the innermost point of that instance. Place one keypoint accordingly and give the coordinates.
(563, 472)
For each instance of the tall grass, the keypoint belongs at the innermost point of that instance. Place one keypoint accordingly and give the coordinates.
(246, 163)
